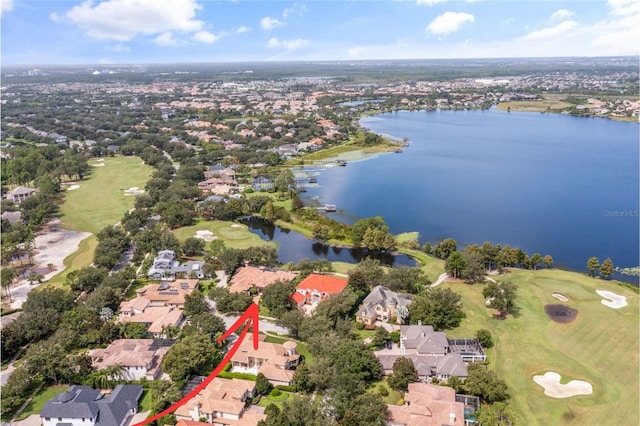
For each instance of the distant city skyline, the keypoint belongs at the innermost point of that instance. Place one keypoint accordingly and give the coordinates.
(158, 31)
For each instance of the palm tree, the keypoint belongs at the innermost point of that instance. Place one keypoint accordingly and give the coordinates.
(6, 277)
(51, 267)
(105, 377)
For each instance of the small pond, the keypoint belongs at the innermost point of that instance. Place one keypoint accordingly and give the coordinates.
(293, 247)
(560, 313)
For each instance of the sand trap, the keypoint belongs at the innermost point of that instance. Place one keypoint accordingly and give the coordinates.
(235, 225)
(98, 165)
(550, 381)
(134, 190)
(72, 187)
(101, 160)
(205, 235)
(560, 297)
(614, 300)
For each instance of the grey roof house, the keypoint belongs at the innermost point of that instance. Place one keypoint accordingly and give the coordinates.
(18, 194)
(83, 406)
(432, 353)
(381, 304)
(165, 267)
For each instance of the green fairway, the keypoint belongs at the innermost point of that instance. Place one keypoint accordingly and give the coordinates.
(100, 199)
(600, 346)
(233, 234)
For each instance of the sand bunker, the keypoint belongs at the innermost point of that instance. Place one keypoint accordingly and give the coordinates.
(134, 190)
(550, 381)
(72, 187)
(235, 225)
(98, 165)
(560, 297)
(613, 300)
(205, 235)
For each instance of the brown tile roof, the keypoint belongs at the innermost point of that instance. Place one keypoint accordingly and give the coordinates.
(168, 293)
(428, 405)
(260, 277)
(225, 396)
(157, 317)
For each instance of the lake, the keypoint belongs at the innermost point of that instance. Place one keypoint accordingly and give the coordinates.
(548, 183)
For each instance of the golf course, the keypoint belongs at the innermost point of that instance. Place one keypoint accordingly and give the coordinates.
(600, 347)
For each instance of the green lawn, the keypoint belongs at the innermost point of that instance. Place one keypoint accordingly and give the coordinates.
(234, 235)
(100, 200)
(394, 397)
(38, 401)
(600, 346)
(267, 400)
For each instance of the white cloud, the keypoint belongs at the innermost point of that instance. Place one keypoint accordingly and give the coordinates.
(123, 20)
(624, 7)
(269, 23)
(551, 32)
(205, 37)
(55, 17)
(243, 29)
(166, 40)
(287, 44)
(449, 22)
(561, 14)
(297, 9)
(6, 5)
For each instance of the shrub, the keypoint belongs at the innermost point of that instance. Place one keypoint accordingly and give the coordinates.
(286, 388)
(359, 325)
(275, 393)
(383, 391)
(485, 338)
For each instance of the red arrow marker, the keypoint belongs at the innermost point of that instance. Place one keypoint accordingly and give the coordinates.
(249, 317)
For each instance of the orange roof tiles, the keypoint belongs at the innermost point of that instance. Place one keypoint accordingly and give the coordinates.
(323, 284)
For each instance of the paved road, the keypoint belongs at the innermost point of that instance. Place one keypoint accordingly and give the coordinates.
(440, 279)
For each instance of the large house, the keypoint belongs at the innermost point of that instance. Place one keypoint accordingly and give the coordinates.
(258, 277)
(382, 304)
(20, 193)
(222, 403)
(226, 174)
(166, 267)
(168, 294)
(432, 353)
(315, 288)
(139, 357)
(83, 406)
(156, 318)
(427, 405)
(276, 362)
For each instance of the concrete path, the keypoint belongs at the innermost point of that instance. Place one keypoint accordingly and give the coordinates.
(442, 278)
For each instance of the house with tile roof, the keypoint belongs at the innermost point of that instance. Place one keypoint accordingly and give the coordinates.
(84, 406)
(222, 403)
(247, 277)
(427, 405)
(381, 304)
(168, 294)
(316, 287)
(275, 361)
(139, 357)
(155, 318)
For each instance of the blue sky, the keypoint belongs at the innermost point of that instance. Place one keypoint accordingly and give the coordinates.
(164, 31)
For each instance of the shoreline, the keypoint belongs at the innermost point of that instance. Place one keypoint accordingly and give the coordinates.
(622, 279)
